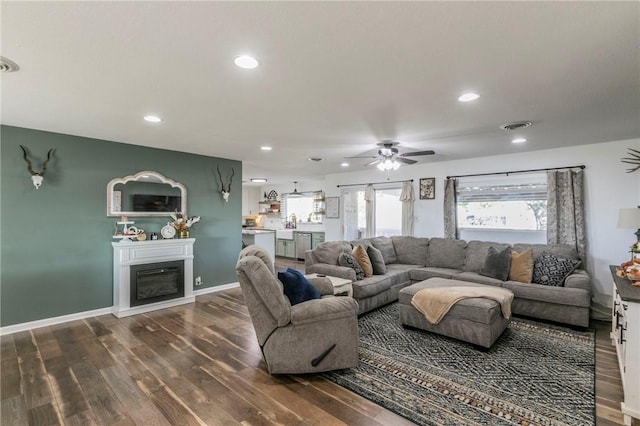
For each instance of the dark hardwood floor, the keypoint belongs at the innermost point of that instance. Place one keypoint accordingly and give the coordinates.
(196, 364)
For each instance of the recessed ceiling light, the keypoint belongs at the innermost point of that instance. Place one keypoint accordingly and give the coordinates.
(246, 62)
(261, 180)
(519, 140)
(467, 97)
(266, 148)
(316, 159)
(345, 164)
(152, 118)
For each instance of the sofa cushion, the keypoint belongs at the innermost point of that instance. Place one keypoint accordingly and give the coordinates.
(385, 246)
(549, 269)
(362, 242)
(297, 288)
(360, 254)
(476, 253)
(328, 252)
(399, 274)
(549, 294)
(411, 250)
(421, 274)
(521, 266)
(347, 259)
(562, 250)
(371, 286)
(497, 263)
(377, 261)
(475, 277)
(446, 253)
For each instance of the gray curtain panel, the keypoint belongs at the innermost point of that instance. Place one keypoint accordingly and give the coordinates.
(565, 210)
(450, 218)
(407, 198)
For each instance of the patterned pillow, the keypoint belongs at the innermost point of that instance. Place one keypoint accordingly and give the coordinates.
(549, 269)
(347, 259)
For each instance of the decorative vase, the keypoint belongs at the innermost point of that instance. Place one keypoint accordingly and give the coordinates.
(184, 233)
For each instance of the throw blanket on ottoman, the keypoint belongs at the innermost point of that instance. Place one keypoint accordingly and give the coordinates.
(434, 303)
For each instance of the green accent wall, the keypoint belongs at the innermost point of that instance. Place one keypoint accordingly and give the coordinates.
(56, 256)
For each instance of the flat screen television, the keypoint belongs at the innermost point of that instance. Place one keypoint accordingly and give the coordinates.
(156, 203)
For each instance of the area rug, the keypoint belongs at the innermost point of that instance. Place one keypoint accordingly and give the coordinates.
(535, 374)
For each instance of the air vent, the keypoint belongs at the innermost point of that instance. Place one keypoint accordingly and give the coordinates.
(7, 65)
(516, 125)
(316, 159)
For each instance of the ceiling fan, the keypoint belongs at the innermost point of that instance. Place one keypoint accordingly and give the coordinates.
(389, 157)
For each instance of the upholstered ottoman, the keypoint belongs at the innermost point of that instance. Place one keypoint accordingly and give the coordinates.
(475, 320)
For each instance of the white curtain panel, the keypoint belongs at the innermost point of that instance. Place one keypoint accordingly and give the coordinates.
(450, 206)
(565, 210)
(369, 198)
(407, 198)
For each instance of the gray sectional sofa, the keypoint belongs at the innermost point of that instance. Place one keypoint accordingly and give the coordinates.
(409, 260)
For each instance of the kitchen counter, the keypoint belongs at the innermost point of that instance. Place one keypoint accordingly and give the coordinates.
(264, 238)
(257, 231)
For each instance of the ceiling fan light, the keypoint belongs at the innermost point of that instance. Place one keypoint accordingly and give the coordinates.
(380, 165)
(395, 165)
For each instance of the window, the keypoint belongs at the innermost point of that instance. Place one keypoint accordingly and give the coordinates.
(306, 207)
(387, 213)
(505, 203)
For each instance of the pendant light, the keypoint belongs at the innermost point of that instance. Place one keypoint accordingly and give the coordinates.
(295, 192)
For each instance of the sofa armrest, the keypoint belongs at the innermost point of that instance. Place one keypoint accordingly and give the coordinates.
(320, 310)
(331, 270)
(578, 279)
(323, 285)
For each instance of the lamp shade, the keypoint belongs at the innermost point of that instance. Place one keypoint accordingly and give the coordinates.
(629, 218)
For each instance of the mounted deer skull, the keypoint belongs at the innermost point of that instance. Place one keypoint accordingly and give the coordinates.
(225, 190)
(633, 159)
(36, 177)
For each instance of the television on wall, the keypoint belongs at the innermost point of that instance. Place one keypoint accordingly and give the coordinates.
(156, 203)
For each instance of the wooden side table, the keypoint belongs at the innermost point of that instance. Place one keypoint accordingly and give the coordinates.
(625, 335)
(341, 286)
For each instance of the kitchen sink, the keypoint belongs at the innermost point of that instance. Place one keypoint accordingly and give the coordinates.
(284, 234)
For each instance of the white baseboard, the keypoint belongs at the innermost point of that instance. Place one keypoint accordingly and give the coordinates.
(10, 329)
(215, 289)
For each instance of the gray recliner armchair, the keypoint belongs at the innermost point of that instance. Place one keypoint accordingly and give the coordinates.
(313, 336)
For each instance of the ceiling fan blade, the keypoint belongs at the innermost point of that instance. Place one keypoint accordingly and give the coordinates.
(405, 160)
(414, 154)
(371, 163)
(364, 156)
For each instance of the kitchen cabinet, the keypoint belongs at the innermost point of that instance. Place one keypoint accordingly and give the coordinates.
(286, 248)
(317, 238)
(250, 199)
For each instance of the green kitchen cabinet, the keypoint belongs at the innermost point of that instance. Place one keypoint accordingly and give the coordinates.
(286, 248)
(316, 239)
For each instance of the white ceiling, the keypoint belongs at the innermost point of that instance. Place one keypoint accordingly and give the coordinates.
(335, 77)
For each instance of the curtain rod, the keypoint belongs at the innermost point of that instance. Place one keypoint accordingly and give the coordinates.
(519, 171)
(376, 183)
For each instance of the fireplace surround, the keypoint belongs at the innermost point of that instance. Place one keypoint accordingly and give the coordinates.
(163, 270)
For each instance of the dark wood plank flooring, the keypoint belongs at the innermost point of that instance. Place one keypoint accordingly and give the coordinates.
(196, 364)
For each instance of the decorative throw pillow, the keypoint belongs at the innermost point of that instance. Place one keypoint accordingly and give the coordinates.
(549, 269)
(521, 266)
(297, 288)
(360, 253)
(377, 261)
(347, 259)
(497, 263)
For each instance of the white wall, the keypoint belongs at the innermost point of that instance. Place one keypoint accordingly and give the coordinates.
(608, 188)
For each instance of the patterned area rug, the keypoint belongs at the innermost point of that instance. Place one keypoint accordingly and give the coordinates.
(535, 374)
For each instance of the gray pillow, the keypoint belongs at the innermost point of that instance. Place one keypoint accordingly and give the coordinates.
(377, 261)
(347, 259)
(549, 269)
(385, 245)
(497, 263)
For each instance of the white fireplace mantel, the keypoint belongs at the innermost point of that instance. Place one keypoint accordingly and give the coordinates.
(127, 253)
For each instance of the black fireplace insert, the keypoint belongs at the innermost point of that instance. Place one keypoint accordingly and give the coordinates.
(156, 282)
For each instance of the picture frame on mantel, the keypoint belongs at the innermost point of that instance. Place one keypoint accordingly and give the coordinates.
(333, 208)
(428, 188)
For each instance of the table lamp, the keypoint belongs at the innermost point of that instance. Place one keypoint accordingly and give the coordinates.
(630, 218)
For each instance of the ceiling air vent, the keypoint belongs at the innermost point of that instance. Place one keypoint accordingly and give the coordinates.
(517, 125)
(7, 65)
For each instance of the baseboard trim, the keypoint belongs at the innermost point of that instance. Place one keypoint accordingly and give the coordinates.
(215, 289)
(10, 329)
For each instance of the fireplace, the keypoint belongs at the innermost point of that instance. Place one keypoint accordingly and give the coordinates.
(155, 282)
(150, 275)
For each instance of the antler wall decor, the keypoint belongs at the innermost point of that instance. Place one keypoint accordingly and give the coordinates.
(225, 190)
(36, 177)
(634, 159)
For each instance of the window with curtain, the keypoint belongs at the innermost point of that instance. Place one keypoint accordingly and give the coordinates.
(305, 207)
(387, 212)
(503, 203)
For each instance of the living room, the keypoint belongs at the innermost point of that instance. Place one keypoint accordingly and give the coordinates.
(56, 256)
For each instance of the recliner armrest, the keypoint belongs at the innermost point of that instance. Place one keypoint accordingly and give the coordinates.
(319, 310)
